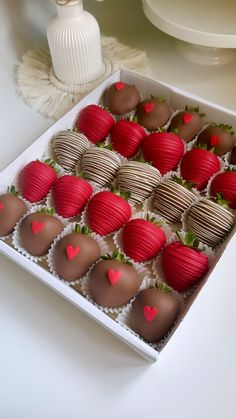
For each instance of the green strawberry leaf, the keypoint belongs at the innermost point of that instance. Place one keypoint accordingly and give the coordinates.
(12, 190)
(82, 230)
(189, 239)
(185, 183)
(116, 255)
(225, 127)
(221, 201)
(47, 211)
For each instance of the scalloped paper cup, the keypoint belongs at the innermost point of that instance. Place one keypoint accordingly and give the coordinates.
(16, 239)
(50, 257)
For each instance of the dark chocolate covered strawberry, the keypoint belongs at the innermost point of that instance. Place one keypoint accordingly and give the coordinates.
(219, 137)
(70, 195)
(210, 220)
(121, 98)
(75, 253)
(225, 184)
(38, 230)
(12, 208)
(113, 281)
(198, 166)
(108, 211)
(36, 179)
(187, 124)
(126, 137)
(142, 239)
(95, 122)
(164, 150)
(154, 312)
(183, 262)
(232, 157)
(153, 113)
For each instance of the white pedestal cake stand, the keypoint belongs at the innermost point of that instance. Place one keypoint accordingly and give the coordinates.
(205, 30)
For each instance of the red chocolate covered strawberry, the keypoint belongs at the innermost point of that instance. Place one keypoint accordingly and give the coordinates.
(36, 179)
(126, 137)
(95, 122)
(70, 195)
(198, 166)
(142, 239)
(164, 150)
(225, 184)
(219, 137)
(108, 211)
(183, 262)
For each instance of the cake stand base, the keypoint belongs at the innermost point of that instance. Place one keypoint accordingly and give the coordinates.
(204, 55)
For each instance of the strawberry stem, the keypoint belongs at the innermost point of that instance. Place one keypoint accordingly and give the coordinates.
(189, 239)
(194, 109)
(161, 286)
(47, 211)
(221, 201)
(185, 183)
(12, 190)
(225, 127)
(125, 195)
(116, 255)
(82, 230)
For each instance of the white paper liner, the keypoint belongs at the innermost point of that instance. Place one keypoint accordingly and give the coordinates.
(84, 215)
(124, 317)
(158, 271)
(50, 257)
(143, 274)
(142, 215)
(16, 239)
(28, 204)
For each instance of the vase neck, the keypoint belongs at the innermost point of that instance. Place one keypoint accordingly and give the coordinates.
(72, 10)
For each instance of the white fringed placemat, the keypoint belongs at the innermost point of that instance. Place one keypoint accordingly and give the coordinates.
(41, 90)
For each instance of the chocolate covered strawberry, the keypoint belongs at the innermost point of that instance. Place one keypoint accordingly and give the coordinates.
(225, 184)
(108, 211)
(198, 166)
(121, 98)
(154, 312)
(187, 124)
(113, 281)
(183, 262)
(142, 239)
(95, 122)
(70, 195)
(126, 137)
(12, 208)
(164, 150)
(219, 137)
(36, 179)
(153, 113)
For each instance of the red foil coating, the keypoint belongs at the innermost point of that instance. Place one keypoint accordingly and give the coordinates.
(126, 137)
(95, 122)
(70, 195)
(107, 212)
(164, 150)
(36, 179)
(198, 166)
(225, 183)
(183, 266)
(142, 240)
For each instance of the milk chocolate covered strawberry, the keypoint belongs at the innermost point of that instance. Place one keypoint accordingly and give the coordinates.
(121, 98)
(220, 137)
(164, 150)
(154, 312)
(153, 113)
(113, 281)
(183, 262)
(187, 124)
(12, 208)
(108, 211)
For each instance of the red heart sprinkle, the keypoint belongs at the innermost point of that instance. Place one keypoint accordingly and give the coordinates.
(113, 276)
(148, 107)
(119, 85)
(214, 139)
(36, 227)
(72, 251)
(187, 117)
(1, 206)
(150, 313)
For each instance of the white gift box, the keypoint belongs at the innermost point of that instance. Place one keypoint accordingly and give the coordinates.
(147, 86)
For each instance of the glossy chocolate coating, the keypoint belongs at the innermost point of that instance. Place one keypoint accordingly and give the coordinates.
(12, 209)
(157, 117)
(39, 244)
(168, 309)
(108, 295)
(88, 252)
(226, 140)
(121, 101)
(188, 123)
(232, 158)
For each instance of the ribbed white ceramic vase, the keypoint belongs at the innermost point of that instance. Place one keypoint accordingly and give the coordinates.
(74, 43)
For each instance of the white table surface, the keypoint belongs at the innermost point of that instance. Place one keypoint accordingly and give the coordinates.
(54, 361)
